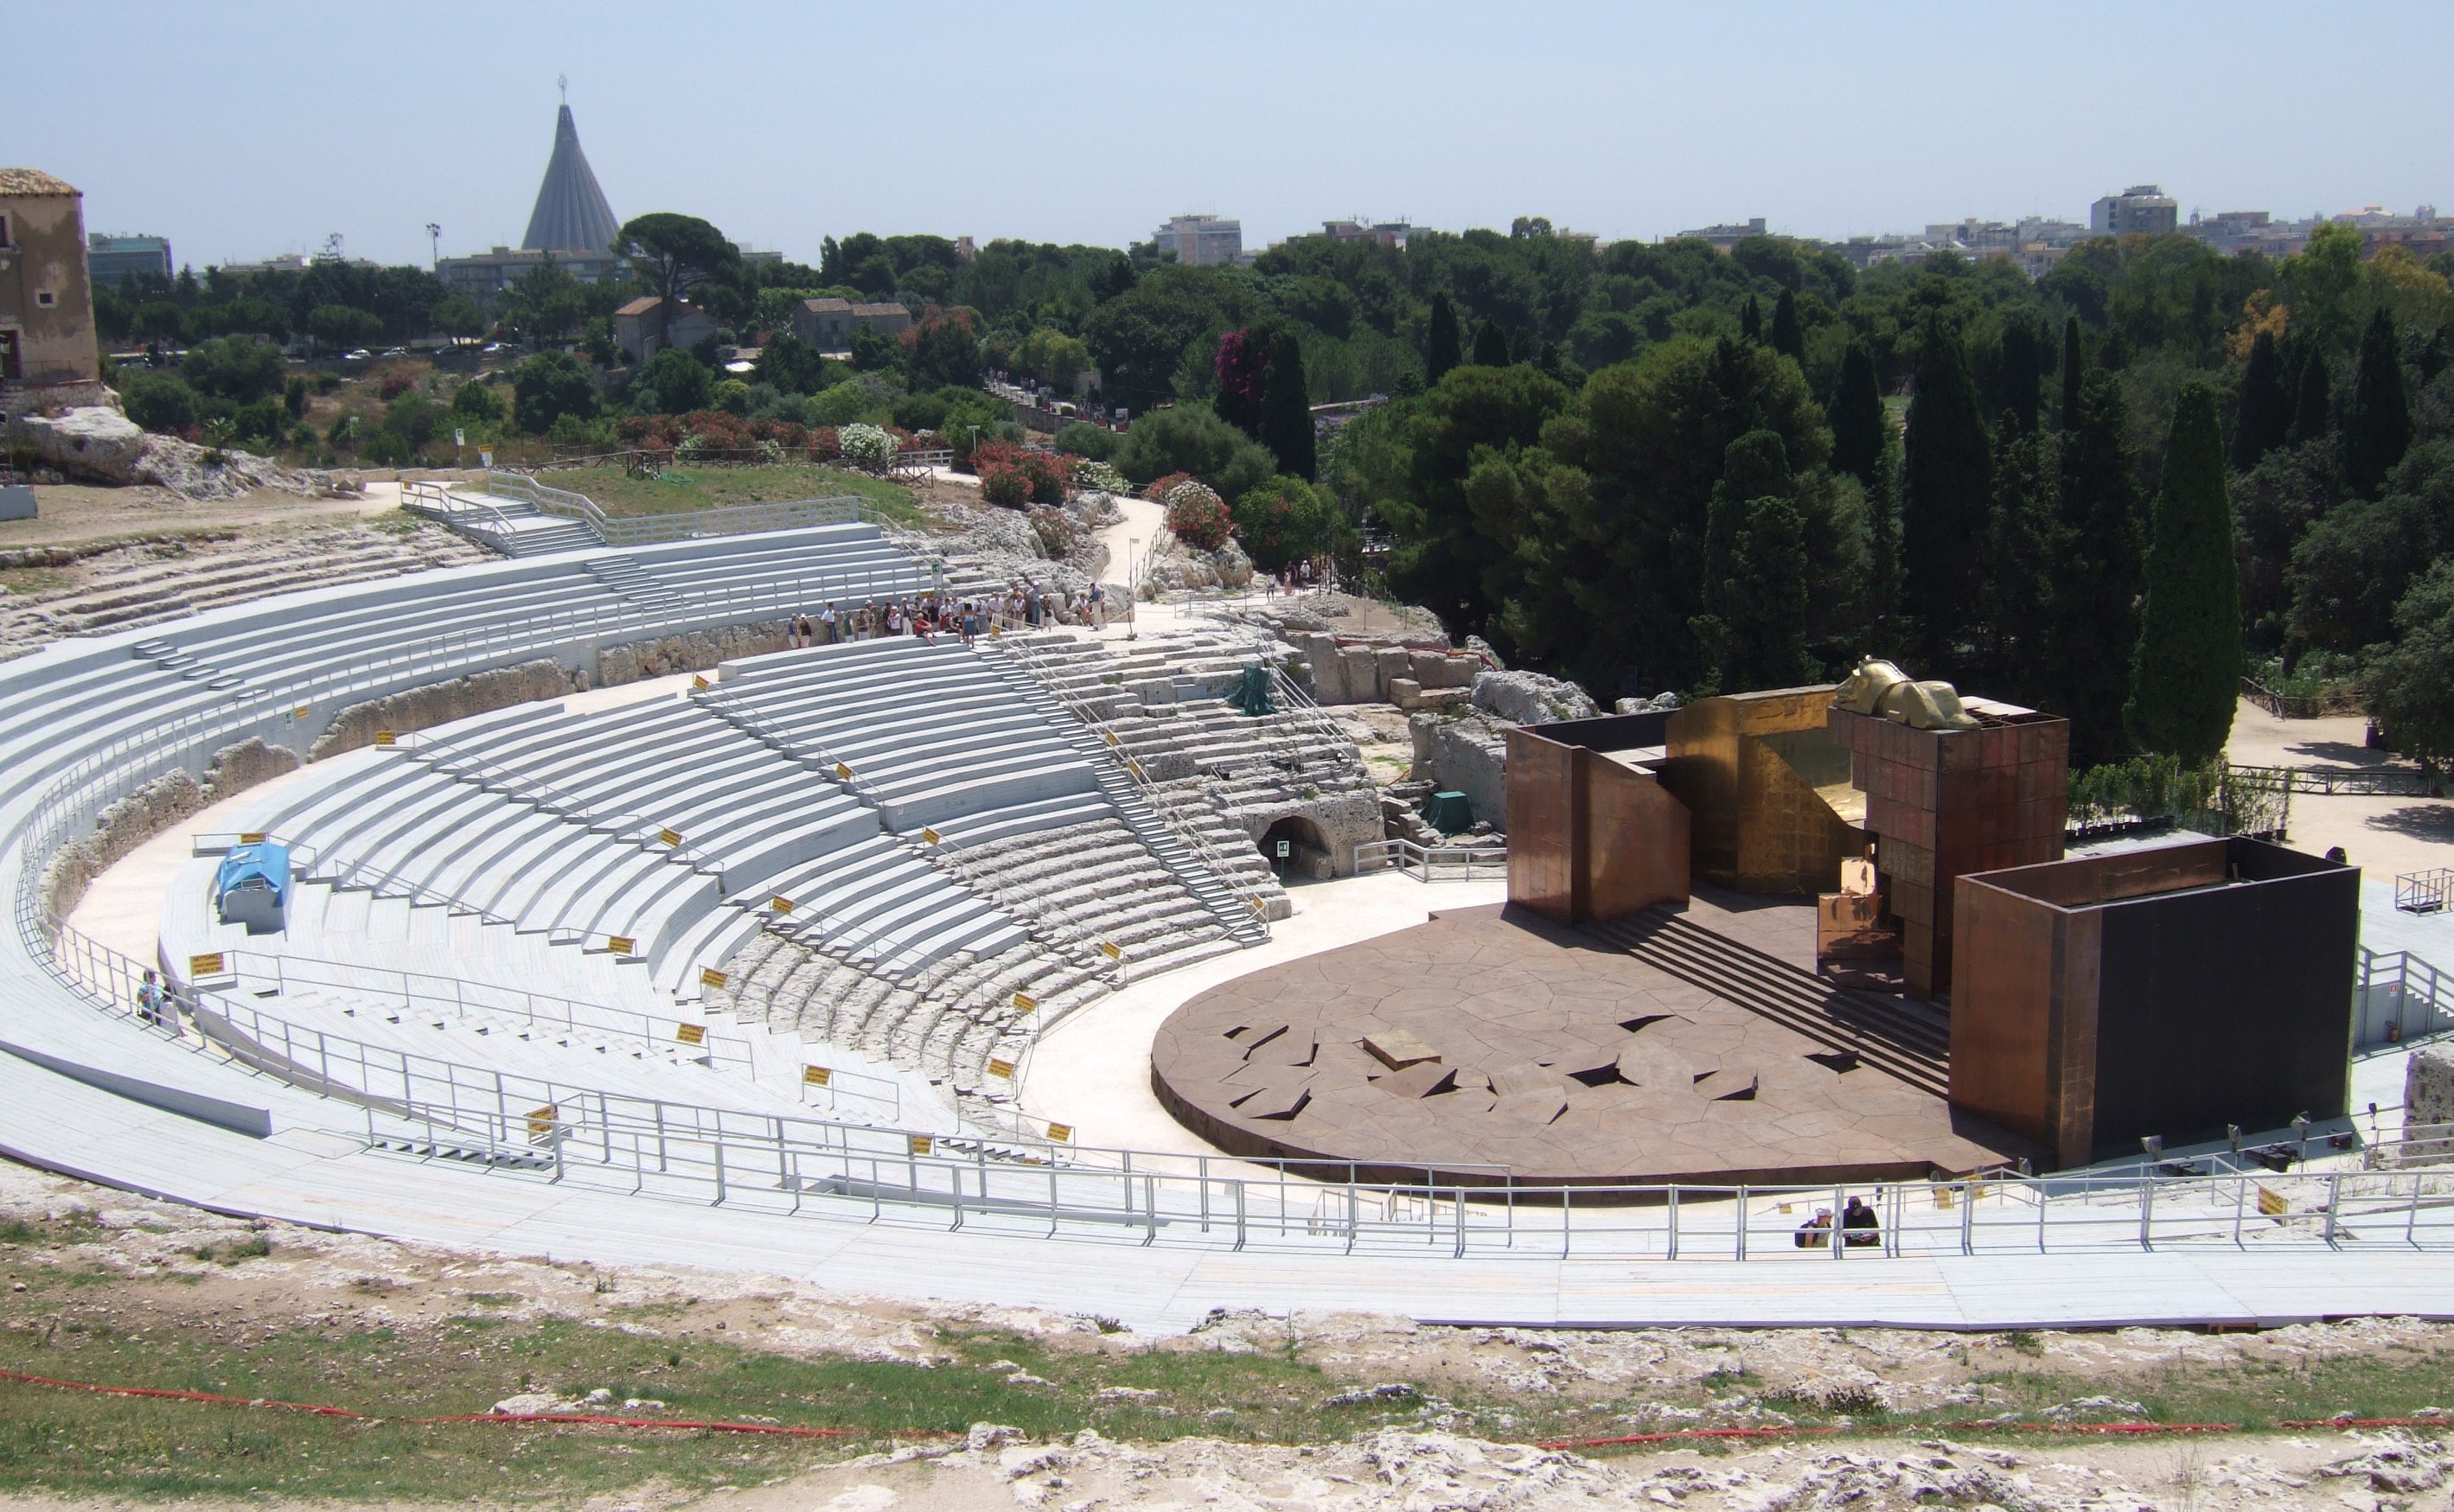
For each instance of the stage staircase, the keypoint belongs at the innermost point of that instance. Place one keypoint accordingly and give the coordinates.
(1903, 1039)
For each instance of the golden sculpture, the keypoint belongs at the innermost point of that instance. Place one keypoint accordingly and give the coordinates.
(1880, 687)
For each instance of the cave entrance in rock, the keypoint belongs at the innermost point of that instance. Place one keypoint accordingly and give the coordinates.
(1307, 847)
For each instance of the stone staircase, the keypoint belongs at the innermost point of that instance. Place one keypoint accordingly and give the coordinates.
(1899, 1037)
(626, 579)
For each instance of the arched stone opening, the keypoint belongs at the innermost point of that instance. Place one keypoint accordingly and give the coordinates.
(1308, 852)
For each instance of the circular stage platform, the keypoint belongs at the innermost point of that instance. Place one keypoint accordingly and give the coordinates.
(1491, 1044)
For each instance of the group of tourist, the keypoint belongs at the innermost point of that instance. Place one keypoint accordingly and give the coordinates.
(1860, 1228)
(1023, 605)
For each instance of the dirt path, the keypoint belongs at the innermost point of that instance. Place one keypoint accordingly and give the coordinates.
(73, 513)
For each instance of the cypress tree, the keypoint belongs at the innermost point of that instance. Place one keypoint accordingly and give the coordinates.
(1490, 345)
(2185, 678)
(2377, 416)
(2263, 419)
(1946, 488)
(1766, 602)
(1787, 338)
(2022, 375)
(2094, 628)
(1286, 408)
(1751, 320)
(1858, 423)
(1443, 347)
(2312, 408)
(2073, 372)
(2019, 563)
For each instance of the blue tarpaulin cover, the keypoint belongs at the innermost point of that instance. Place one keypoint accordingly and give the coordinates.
(265, 863)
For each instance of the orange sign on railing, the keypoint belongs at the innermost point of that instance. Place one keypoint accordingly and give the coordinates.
(211, 965)
(621, 944)
(816, 1075)
(710, 977)
(691, 1033)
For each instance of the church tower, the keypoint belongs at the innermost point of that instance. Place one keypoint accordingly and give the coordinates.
(571, 214)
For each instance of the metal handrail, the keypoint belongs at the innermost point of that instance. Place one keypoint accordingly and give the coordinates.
(1419, 860)
(2418, 997)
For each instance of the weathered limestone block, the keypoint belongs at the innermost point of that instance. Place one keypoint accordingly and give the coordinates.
(1529, 698)
(1434, 669)
(696, 652)
(1360, 675)
(1470, 756)
(152, 808)
(440, 704)
(2428, 1087)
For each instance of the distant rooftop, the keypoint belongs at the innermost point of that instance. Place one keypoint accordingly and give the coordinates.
(32, 181)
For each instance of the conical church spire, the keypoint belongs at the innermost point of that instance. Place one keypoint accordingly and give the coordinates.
(571, 214)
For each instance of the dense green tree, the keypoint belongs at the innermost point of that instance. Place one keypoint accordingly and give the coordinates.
(1443, 549)
(459, 317)
(676, 255)
(546, 303)
(1140, 337)
(2412, 680)
(159, 401)
(1443, 345)
(2098, 574)
(1490, 345)
(478, 401)
(1859, 426)
(1284, 520)
(2016, 576)
(2313, 404)
(341, 328)
(293, 397)
(2262, 419)
(1751, 319)
(2272, 506)
(944, 350)
(235, 367)
(2074, 374)
(2377, 413)
(2350, 568)
(1766, 598)
(1191, 438)
(1946, 493)
(2186, 677)
(2021, 375)
(674, 382)
(1786, 337)
(1286, 407)
(548, 387)
(790, 365)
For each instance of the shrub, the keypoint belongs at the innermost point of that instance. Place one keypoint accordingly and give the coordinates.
(1190, 438)
(548, 387)
(1099, 477)
(1284, 520)
(867, 448)
(235, 367)
(1054, 531)
(159, 401)
(1156, 493)
(1084, 439)
(1197, 516)
(733, 396)
(1004, 485)
(1049, 477)
(674, 382)
(393, 386)
(478, 401)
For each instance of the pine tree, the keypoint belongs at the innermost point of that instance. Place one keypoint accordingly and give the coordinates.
(1490, 345)
(2018, 564)
(2074, 373)
(1858, 422)
(2262, 420)
(1947, 490)
(2313, 404)
(2185, 678)
(1787, 338)
(2377, 416)
(2022, 375)
(1751, 320)
(1766, 602)
(1443, 347)
(1286, 408)
(2098, 576)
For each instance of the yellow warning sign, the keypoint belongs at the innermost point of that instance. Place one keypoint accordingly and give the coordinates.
(250, 837)
(541, 1119)
(699, 682)
(929, 836)
(1003, 1068)
(780, 904)
(670, 837)
(710, 977)
(1025, 1001)
(2271, 1203)
(384, 737)
(691, 1033)
(843, 772)
(921, 1143)
(816, 1075)
(1061, 1133)
(1108, 735)
(1111, 952)
(621, 944)
(211, 965)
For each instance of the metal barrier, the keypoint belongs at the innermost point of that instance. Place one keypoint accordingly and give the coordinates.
(1428, 863)
(649, 529)
(2398, 998)
(2393, 782)
(2422, 891)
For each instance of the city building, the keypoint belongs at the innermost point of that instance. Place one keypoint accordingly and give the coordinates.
(1384, 233)
(570, 226)
(647, 326)
(2143, 209)
(1203, 241)
(115, 260)
(828, 324)
(48, 355)
(1723, 237)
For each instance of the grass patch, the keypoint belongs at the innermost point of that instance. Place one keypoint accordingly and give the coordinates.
(713, 487)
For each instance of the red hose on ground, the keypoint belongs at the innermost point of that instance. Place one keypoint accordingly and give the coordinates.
(322, 1411)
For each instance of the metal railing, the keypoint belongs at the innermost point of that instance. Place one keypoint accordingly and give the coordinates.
(1432, 863)
(2396, 782)
(2423, 891)
(2282, 706)
(649, 530)
(2398, 998)
(1250, 896)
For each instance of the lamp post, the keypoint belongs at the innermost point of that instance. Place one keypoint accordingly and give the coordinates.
(1133, 581)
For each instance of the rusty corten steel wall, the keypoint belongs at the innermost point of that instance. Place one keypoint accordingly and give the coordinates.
(1588, 838)
(1943, 804)
(2112, 997)
(1543, 825)
(1758, 826)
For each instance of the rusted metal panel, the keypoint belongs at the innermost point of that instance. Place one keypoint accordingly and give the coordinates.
(2003, 1017)
(1637, 841)
(1541, 824)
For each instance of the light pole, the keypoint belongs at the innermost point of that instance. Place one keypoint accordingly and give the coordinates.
(434, 246)
(1133, 581)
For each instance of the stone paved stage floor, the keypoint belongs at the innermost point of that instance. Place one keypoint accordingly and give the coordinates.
(1561, 1062)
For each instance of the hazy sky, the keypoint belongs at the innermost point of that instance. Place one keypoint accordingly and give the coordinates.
(243, 131)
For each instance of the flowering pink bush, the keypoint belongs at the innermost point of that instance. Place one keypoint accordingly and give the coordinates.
(1197, 516)
(1005, 485)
